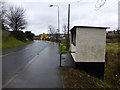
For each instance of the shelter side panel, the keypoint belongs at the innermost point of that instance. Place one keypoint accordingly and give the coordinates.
(90, 45)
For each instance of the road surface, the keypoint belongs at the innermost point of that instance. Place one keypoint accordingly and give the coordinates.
(32, 66)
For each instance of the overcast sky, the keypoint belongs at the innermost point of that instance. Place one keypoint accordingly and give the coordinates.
(83, 12)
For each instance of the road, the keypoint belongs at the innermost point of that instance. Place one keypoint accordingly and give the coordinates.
(31, 66)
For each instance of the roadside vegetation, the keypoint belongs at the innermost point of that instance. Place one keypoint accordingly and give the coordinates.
(13, 21)
(0, 42)
(12, 42)
(74, 78)
(55, 37)
(15, 38)
(112, 66)
(63, 46)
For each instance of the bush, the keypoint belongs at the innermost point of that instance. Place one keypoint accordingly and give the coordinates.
(65, 42)
(20, 35)
(29, 35)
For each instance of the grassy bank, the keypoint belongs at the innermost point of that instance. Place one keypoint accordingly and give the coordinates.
(112, 44)
(73, 78)
(0, 42)
(12, 42)
(112, 66)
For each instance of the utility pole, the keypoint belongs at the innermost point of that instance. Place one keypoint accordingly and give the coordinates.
(58, 22)
(68, 24)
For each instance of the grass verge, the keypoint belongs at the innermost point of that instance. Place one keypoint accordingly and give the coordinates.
(113, 46)
(12, 42)
(73, 78)
(63, 48)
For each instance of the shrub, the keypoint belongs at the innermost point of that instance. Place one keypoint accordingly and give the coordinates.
(29, 35)
(20, 35)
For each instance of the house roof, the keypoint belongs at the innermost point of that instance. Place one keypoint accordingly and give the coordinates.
(89, 27)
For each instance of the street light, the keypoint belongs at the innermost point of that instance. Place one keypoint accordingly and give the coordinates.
(58, 17)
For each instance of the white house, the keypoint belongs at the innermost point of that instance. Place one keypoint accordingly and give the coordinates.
(89, 45)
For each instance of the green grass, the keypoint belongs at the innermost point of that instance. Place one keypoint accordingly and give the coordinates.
(113, 46)
(112, 68)
(0, 42)
(63, 48)
(12, 42)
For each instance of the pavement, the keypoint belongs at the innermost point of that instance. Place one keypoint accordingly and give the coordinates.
(40, 71)
(67, 61)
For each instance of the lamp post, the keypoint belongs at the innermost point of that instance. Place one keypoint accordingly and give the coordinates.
(58, 17)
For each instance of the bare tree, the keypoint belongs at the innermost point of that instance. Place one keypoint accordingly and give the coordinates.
(16, 18)
(2, 15)
(51, 29)
(65, 30)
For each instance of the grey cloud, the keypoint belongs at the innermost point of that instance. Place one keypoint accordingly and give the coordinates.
(39, 15)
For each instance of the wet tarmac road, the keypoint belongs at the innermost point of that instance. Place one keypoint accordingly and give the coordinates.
(41, 71)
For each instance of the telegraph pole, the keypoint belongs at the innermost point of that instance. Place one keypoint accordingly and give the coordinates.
(68, 24)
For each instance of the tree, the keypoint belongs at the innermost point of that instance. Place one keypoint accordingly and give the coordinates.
(20, 35)
(3, 11)
(118, 31)
(65, 30)
(29, 35)
(51, 31)
(16, 18)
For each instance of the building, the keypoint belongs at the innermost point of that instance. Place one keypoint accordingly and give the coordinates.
(44, 36)
(89, 45)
